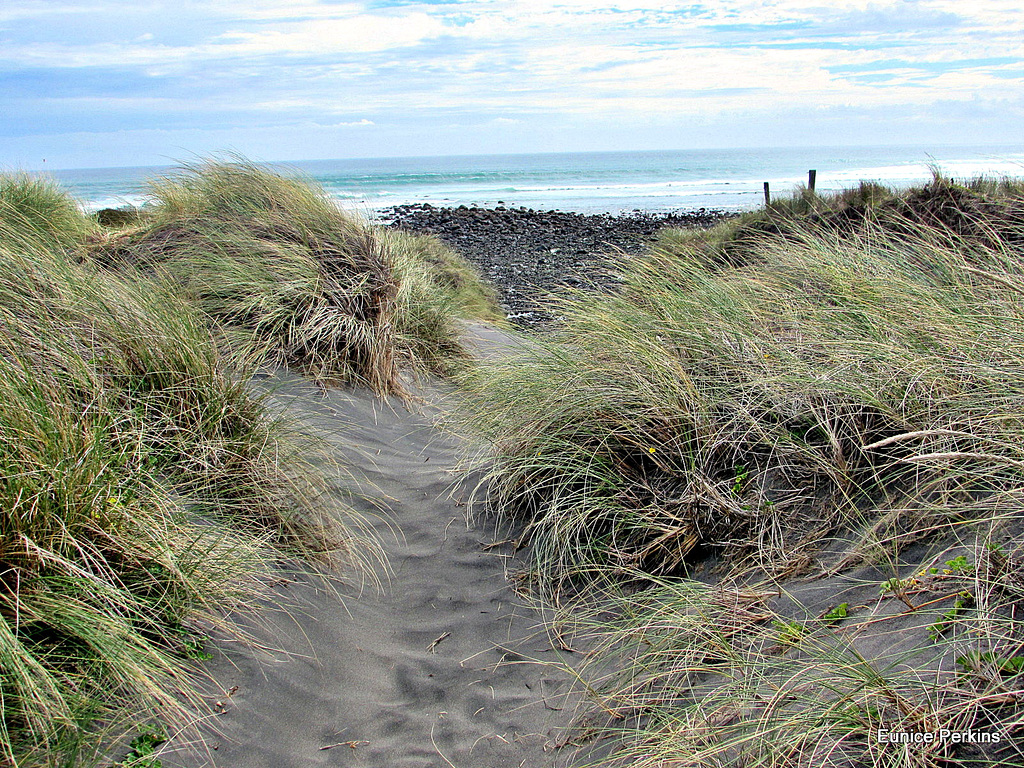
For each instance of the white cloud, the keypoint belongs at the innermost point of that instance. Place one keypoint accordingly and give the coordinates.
(13, 10)
(486, 61)
(354, 34)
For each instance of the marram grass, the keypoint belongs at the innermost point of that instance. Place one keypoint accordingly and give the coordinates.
(437, 291)
(828, 387)
(295, 281)
(143, 489)
(689, 674)
(837, 377)
(36, 211)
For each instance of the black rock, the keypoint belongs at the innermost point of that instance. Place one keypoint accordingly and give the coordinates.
(527, 254)
(117, 217)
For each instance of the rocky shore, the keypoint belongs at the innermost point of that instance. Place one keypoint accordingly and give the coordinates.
(527, 253)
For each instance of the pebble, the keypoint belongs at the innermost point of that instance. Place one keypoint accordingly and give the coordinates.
(529, 254)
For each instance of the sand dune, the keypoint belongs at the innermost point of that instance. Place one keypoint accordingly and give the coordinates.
(424, 672)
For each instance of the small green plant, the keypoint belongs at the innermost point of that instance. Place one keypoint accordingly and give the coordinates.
(837, 614)
(856, 715)
(789, 632)
(964, 600)
(1006, 665)
(958, 566)
(143, 749)
(895, 586)
(739, 481)
(192, 645)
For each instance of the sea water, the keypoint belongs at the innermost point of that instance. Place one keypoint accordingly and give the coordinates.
(593, 182)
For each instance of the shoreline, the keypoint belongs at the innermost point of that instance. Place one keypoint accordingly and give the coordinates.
(527, 253)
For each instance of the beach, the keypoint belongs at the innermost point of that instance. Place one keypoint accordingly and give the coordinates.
(528, 255)
(443, 663)
(740, 491)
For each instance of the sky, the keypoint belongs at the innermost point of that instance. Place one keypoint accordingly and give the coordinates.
(99, 83)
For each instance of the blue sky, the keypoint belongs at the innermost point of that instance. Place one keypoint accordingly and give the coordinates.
(109, 82)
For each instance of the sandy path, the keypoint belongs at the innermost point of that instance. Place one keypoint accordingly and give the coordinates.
(425, 672)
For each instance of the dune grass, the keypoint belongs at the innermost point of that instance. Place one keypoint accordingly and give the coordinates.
(144, 490)
(35, 211)
(985, 210)
(436, 288)
(292, 280)
(840, 376)
(692, 674)
(825, 386)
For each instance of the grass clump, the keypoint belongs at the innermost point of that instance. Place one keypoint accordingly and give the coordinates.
(693, 674)
(832, 379)
(36, 211)
(293, 280)
(828, 386)
(983, 210)
(144, 487)
(436, 287)
(143, 490)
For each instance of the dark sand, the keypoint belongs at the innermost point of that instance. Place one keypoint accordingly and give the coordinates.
(438, 668)
(425, 672)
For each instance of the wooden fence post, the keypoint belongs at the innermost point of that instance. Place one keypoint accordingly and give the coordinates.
(767, 195)
(812, 176)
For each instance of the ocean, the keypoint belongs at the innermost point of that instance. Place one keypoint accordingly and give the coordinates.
(593, 182)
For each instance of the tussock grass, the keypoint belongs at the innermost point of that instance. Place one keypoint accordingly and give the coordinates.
(293, 280)
(272, 258)
(826, 386)
(694, 674)
(838, 376)
(989, 211)
(35, 210)
(436, 289)
(143, 490)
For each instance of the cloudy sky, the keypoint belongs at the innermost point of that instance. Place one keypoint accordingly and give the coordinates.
(115, 82)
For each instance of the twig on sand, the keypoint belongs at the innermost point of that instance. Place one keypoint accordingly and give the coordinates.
(440, 715)
(494, 544)
(517, 544)
(349, 744)
(438, 640)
